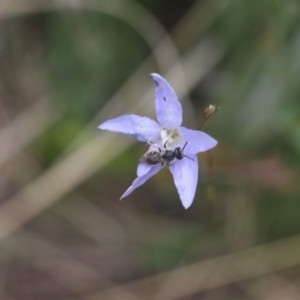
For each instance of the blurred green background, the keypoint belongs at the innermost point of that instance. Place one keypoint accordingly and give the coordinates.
(67, 66)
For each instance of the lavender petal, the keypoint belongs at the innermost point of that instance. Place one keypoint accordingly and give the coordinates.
(142, 128)
(185, 174)
(168, 108)
(141, 180)
(197, 141)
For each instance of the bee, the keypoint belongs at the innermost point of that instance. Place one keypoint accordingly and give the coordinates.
(165, 156)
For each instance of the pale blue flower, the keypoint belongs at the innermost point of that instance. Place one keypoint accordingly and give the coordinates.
(166, 133)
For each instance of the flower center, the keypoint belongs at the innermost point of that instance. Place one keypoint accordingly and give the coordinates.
(170, 138)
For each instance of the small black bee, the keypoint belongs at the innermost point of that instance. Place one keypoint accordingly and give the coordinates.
(164, 156)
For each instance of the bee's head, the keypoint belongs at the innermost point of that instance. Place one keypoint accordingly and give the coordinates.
(178, 152)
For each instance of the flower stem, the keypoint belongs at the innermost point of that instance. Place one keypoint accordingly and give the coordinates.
(210, 191)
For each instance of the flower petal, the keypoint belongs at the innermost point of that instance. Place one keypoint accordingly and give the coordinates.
(142, 169)
(197, 141)
(141, 180)
(185, 174)
(168, 108)
(142, 128)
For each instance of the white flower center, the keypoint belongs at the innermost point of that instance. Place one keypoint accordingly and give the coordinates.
(170, 138)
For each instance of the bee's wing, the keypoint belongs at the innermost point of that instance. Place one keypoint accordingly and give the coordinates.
(143, 158)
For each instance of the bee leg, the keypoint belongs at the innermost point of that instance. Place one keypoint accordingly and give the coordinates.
(165, 144)
(153, 145)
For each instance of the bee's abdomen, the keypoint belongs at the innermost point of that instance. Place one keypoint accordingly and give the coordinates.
(153, 157)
